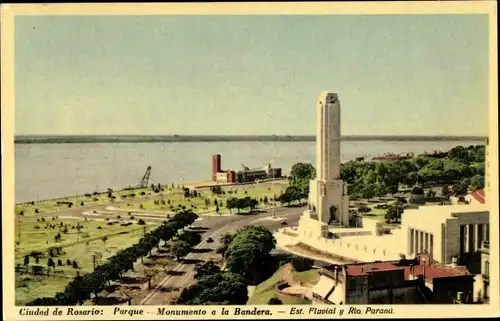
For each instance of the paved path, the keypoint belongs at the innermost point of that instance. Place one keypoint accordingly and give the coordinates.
(184, 272)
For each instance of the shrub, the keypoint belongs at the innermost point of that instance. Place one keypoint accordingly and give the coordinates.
(301, 263)
(119, 217)
(364, 209)
(75, 264)
(21, 213)
(59, 262)
(68, 262)
(274, 301)
(141, 222)
(132, 217)
(99, 227)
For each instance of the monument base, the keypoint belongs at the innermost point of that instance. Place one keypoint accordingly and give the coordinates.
(310, 226)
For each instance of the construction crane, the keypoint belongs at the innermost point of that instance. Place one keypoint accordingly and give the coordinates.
(145, 179)
(245, 168)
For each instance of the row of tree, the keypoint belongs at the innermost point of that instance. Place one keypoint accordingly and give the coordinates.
(239, 204)
(81, 287)
(248, 260)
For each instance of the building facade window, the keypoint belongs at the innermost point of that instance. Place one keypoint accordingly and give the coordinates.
(412, 241)
(431, 245)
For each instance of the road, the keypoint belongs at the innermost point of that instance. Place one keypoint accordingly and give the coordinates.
(183, 273)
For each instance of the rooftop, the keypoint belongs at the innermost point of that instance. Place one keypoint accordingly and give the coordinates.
(430, 272)
(478, 196)
(442, 212)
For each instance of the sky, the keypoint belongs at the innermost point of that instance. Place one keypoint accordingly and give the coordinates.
(250, 75)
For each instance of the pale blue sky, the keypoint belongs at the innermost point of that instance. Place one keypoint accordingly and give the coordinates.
(395, 75)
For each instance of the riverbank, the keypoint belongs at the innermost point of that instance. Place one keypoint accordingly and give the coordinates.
(76, 139)
(164, 200)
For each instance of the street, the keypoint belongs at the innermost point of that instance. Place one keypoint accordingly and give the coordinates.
(183, 273)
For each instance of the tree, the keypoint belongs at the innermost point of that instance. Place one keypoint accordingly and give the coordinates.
(459, 189)
(274, 301)
(301, 174)
(477, 182)
(301, 263)
(445, 191)
(26, 259)
(392, 189)
(179, 249)
(369, 190)
(394, 213)
(430, 195)
(221, 288)
(190, 238)
(248, 251)
(206, 269)
(225, 240)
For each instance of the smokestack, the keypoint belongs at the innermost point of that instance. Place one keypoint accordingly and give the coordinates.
(216, 166)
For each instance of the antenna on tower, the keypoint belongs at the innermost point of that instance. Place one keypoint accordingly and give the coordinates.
(145, 179)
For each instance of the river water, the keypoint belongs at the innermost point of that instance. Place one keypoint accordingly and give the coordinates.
(46, 171)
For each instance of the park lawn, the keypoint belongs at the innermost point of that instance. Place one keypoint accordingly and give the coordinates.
(267, 289)
(31, 287)
(49, 206)
(309, 276)
(42, 239)
(197, 204)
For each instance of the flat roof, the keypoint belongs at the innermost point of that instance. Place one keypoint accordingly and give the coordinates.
(446, 211)
(430, 271)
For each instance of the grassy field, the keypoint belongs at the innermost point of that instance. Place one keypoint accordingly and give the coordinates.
(80, 247)
(198, 204)
(49, 206)
(267, 289)
(310, 276)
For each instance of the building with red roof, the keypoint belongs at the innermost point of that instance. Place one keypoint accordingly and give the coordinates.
(417, 281)
(476, 197)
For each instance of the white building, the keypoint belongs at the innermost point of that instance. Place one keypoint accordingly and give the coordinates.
(444, 231)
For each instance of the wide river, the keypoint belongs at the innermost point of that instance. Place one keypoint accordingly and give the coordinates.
(46, 171)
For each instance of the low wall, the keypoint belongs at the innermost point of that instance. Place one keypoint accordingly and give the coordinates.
(364, 250)
(358, 233)
(279, 290)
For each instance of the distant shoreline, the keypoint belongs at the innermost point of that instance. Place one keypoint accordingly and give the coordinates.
(76, 139)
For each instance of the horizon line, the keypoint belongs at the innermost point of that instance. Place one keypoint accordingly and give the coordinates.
(68, 139)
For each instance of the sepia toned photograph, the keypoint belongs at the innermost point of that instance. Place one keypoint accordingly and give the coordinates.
(275, 164)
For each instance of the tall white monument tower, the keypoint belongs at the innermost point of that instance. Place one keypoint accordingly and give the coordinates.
(328, 200)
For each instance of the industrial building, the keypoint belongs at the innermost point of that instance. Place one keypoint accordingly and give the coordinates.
(242, 176)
